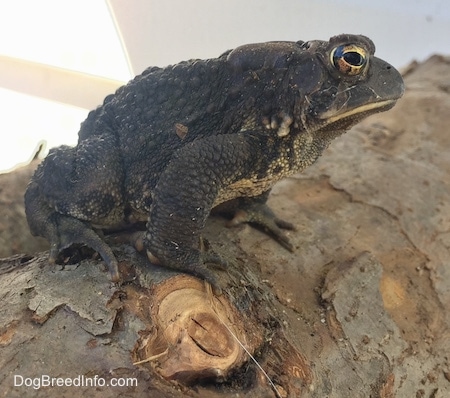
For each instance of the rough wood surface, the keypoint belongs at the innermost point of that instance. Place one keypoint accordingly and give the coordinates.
(359, 309)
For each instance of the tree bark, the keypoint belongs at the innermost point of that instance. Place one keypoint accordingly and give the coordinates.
(359, 309)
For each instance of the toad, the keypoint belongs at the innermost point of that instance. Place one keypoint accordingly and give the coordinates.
(178, 141)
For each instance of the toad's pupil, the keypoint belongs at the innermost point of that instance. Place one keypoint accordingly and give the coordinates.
(353, 58)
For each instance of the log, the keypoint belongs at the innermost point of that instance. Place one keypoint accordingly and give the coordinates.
(169, 325)
(359, 309)
(195, 335)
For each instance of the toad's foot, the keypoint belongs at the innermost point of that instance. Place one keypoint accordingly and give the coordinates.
(198, 266)
(65, 231)
(262, 216)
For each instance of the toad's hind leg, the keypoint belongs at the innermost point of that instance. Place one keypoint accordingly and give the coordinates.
(62, 231)
(73, 188)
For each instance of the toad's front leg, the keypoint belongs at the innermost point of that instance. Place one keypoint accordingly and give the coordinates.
(255, 211)
(185, 194)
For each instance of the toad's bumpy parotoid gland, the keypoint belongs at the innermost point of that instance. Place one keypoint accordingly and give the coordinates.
(177, 141)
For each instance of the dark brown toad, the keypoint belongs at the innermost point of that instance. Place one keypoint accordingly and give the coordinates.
(177, 141)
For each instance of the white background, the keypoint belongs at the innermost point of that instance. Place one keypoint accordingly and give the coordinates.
(81, 35)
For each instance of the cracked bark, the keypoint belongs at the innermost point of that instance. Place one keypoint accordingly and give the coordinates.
(358, 309)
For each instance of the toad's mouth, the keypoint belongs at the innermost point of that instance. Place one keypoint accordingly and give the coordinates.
(332, 116)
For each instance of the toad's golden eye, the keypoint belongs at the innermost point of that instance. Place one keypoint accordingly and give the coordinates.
(349, 59)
